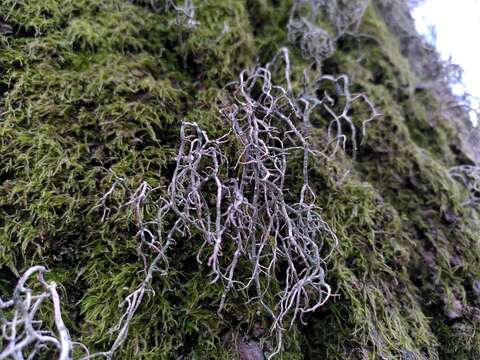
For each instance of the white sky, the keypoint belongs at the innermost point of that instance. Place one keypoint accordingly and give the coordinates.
(457, 27)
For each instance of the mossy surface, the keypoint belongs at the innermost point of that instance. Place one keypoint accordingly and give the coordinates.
(89, 89)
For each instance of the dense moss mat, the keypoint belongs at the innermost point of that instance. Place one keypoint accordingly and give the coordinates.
(91, 86)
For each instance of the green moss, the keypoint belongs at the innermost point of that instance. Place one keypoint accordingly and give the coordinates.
(33, 18)
(92, 86)
(376, 312)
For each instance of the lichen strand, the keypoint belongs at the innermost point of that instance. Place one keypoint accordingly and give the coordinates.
(87, 86)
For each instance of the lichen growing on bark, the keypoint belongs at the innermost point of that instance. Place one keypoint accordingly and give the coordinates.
(95, 90)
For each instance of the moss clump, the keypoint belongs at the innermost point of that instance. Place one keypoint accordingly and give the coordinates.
(92, 86)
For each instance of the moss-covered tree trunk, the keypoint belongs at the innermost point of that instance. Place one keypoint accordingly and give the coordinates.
(92, 91)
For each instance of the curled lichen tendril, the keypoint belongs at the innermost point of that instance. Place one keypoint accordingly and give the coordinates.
(22, 331)
(469, 177)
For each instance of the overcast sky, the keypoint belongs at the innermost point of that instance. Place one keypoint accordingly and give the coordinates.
(457, 26)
